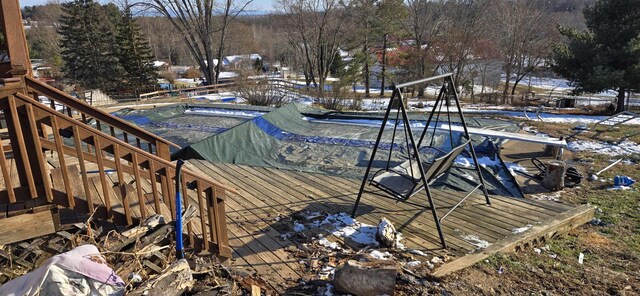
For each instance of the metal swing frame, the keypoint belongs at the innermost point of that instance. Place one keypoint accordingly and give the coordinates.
(440, 165)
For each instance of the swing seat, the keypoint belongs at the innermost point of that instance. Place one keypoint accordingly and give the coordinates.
(403, 181)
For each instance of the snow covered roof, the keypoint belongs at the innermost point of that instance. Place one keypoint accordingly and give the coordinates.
(158, 64)
(232, 59)
(228, 75)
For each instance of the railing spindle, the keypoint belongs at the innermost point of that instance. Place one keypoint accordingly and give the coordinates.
(122, 184)
(136, 174)
(103, 177)
(6, 175)
(41, 161)
(22, 146)
(203, 216)
(62, 161)
(154, 188)
(83, 169)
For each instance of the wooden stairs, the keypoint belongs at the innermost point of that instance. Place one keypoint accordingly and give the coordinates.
(59, 152)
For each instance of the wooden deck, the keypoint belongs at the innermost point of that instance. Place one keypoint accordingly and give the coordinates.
(267, 194)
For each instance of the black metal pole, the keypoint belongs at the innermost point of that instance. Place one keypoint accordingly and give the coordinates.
(473, 151)
(373, 153)
(423, 177)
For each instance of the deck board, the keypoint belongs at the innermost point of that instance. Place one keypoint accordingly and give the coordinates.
(268, 194)
(265, 193)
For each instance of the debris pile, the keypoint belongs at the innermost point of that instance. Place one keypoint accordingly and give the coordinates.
(137, 261)
(340, 254)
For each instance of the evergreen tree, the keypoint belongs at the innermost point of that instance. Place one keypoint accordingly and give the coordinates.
(607, 55)
(88, 45)
(134, 53)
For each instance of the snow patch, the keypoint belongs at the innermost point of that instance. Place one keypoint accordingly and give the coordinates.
(483, 161)
(413, 263)
(521, 229)
(381, 255)
(514, 167)
(346, 227)
(620, 187)
(476, 241)
(547, 196)
(625, 147)
(331, 245)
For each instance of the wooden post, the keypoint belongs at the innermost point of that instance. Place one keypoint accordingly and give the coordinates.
(554, 176)
(15, 38)
(555, 151)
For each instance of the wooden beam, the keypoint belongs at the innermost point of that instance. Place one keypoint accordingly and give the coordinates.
(27, 226)
(15, 37)
(560, 224)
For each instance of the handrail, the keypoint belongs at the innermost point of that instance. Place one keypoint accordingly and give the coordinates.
(45, 128)
(97, 114)
(163, 162)
(160, 93)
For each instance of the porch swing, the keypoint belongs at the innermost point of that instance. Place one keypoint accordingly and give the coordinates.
(415, 174)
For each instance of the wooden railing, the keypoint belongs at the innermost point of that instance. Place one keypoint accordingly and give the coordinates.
(67, 133)
(198, 90)
(103, 121)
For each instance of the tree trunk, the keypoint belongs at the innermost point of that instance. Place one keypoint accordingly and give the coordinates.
(384, 64)
(620, 104)
(366, 71)
(222, 36)
(505, 91)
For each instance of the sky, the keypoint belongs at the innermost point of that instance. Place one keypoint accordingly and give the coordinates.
(263, 5)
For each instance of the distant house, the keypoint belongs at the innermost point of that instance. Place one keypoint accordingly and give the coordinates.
(240, 61)
(161, 66)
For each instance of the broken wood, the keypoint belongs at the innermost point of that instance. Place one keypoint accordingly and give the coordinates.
(554, 176)
(173, 281)
(27, 226)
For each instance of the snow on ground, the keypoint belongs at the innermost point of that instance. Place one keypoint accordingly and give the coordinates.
(346, 227)
(625, 147)
(514, 167)
(224, 112)
(476, 241)
(381, 255)
(557, 85)
(216, 97)
(620, 187)
(483, 161)
(522, 229)
(555, 196)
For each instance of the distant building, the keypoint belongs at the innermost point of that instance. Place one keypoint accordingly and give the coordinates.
(240, 61)
(161, 66)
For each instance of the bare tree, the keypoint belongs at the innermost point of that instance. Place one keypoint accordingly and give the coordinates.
(524, 35)
(194, 20)
(317, 27)
(425, 21)
(228, 15)
(364, 21)
(466, 26)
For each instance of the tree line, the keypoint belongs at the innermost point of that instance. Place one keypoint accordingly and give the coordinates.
(414, 37)
(94, 45)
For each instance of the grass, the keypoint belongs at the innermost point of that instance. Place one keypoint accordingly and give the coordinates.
(611, 248)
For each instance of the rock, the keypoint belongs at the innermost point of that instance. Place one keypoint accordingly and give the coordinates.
(372, 278)
(386, 234)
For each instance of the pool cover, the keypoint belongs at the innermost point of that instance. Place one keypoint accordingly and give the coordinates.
(295, 137)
